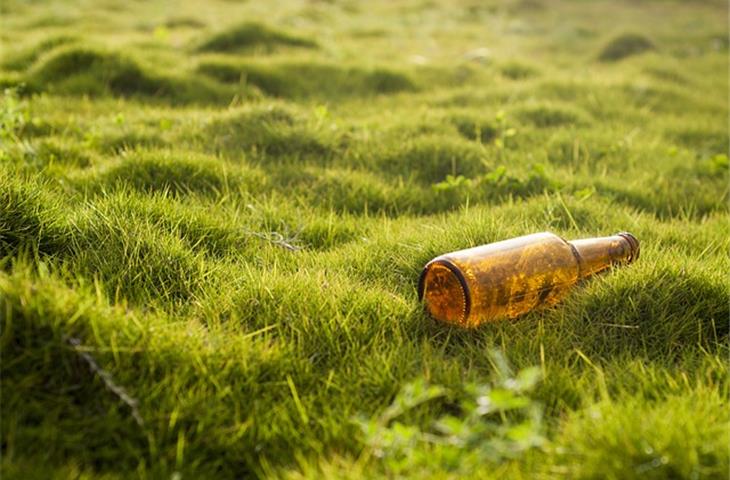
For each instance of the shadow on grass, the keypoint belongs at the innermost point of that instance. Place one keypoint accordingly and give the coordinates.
(659, 315)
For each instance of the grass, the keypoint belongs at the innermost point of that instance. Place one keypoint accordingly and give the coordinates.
(213, 219)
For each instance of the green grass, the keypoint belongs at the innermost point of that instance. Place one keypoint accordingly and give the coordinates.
(213, 218)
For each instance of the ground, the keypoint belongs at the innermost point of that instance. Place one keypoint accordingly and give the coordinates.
(213, 216)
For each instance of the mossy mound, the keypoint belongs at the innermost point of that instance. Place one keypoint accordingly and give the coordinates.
(518, 71)
(270, 131)
(292, 79)
(184, 22)
(173, 173)
(88, 70)
(252, 35)
(53, 150)
(351, 191)
(430, 159)
(546, 116)
(682, 192)
(28, 217)
(119, 142)
(692, 307)
(136, 261)
(22, 59)
(624, 46)
(474, 127)
(82, 70)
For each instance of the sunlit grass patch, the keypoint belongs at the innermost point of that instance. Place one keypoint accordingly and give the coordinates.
(213, 218)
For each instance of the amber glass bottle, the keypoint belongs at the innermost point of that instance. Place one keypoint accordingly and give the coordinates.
(506, 279)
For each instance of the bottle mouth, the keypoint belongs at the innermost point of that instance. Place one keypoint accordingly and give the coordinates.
(443, 289)
(633, 245)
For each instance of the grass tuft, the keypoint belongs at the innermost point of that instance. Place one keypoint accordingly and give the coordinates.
(83, 70)
(310, 79)
(624, 46)
(173, 173)
(86, 70)
(678, 437)
(269, 130)
(251, 35)
(28, 217)
(546, 116)
(23, 59)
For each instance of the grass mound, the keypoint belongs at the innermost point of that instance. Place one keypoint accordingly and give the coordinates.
(23, 59)
(518, 71)
(270, 131)
(184, 22)
(29, 217)
(174, 173)
(474, 127)
(137, 261)
(707, 140)
(676, 437)
(687, 191)
(54, 315)
(692, 307)
(91, 71)
(309, 79)
(81, 70)
(430, 159)
(252, 35)
(351, 191)
(625, 45)
(546, 116)
(54, 151)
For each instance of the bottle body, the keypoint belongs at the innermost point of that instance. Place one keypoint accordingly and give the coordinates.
(506, 279)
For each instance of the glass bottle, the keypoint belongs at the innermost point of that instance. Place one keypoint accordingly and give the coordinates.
(506, 279)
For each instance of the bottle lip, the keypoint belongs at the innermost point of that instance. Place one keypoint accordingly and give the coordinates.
(633, 245)
(459, 276)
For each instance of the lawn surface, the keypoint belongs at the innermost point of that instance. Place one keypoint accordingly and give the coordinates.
(213, 216)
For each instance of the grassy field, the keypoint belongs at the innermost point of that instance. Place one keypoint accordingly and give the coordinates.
(213, 216)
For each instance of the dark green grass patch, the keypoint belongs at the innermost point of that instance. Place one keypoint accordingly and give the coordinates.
(28, 217)
(708, 140)
(173, 173)
(430, 159)
(353, 191)
(309, 79)
(23, 59)
(475, 127)
(81, 70)
(624, 46)
(545, 116)
(692, 307)
(252, 35)
(54, 150)
(64, 389)
(518, 71)
(270, 130)
(85, 70)
(184, 22)
(120, 142)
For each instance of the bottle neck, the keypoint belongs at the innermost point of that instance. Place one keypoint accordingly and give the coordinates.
(596, 254)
